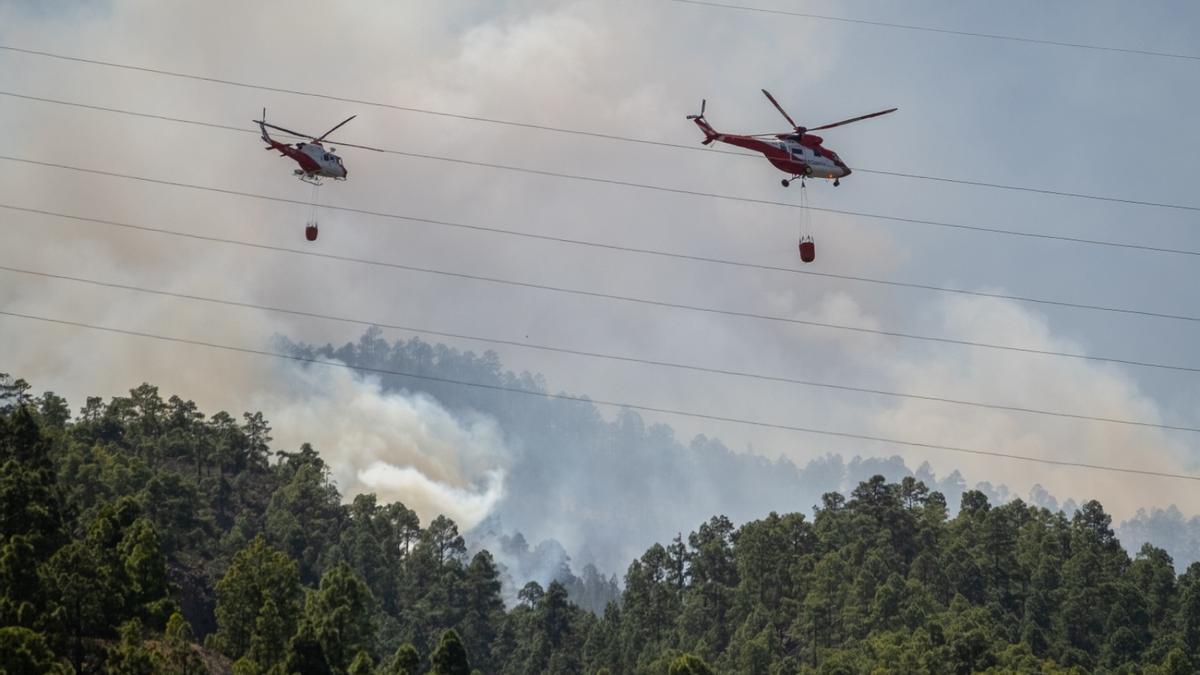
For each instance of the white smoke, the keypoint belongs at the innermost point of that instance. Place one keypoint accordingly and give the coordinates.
(401, 447)
(1071, 386)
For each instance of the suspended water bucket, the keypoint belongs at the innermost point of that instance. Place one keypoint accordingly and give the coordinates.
(310, 232)
(808, 250)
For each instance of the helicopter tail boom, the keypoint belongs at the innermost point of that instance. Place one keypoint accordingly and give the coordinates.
(710, 134)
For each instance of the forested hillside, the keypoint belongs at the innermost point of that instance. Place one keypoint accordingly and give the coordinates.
(140, 529)
(608, 488)
(575, 460)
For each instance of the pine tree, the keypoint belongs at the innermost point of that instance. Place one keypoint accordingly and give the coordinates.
(450, 657)
(482, 608)
(406, 661)
(689, 664)
(362, 664)
(130, 656)
(180, 657)
(258, 574)
(340, 612)
(305, 654)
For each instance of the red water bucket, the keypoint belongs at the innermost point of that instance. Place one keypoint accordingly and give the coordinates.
(310, 232)
(808, 250)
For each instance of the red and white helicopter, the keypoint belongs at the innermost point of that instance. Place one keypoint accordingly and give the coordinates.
(797, 153)
(316, 162)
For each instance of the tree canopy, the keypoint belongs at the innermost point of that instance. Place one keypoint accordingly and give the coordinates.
(140, 529)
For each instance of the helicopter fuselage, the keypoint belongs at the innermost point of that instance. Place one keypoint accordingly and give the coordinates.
(793, 154)
(328, 164)
(315, 160)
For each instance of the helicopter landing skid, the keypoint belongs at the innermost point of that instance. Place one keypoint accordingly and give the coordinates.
(309, 178)
(788, 181)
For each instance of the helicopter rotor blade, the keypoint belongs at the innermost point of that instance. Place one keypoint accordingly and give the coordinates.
(322, 137)
(352, 145)
(854, 119)
(279, 128)
(780, 108)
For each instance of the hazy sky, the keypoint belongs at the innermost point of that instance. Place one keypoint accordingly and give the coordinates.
(1076, 120)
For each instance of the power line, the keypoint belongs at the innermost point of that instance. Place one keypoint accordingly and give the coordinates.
(645, 186)
(620, 248)
(538, 127)
(727, 312)
(615, 404)
(588, 354)
(945, 31)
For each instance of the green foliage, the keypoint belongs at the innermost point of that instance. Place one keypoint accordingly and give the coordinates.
(689, 664)
(1176, 663)
(483, 610)
(145, 574)
(123, 528)
(179, 652)
(29, 501)
(406, 661)
(23, 602)
(305, 654)
(450, 657)
(258, 604)
(303, 514)
(362, 664)
(130, 656)
(25, 652)
(81, 606)
(340, 613)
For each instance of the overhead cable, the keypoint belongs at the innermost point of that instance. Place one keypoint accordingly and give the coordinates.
(549, 128)
(585, 353)
(946, 31)
(632, 249)
(615, 404)
(771, 317)
(696, 193)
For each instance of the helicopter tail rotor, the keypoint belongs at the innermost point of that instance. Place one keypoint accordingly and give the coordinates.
(710, 134)
(262, 126)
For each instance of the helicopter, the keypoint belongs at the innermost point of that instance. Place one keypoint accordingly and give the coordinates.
(316, 162)
(797, 152)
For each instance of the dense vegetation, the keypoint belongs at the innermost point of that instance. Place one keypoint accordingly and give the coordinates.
(139, 529)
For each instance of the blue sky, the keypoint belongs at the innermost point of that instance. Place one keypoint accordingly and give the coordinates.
(1013, 113)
